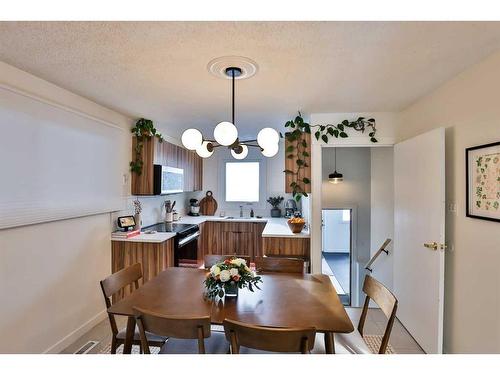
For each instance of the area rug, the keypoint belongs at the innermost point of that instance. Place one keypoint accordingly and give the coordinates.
(135, 349)
(374, 341)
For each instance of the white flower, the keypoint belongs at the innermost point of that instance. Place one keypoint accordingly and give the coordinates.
(215, 270)
(238, 261)
(233, 271)
(247, 269)
(225, 275)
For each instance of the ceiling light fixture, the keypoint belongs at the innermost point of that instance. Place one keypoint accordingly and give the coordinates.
(226, 134)
(335, 177)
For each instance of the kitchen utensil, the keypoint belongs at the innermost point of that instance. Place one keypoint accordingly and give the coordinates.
(194, 207)
(208, 205)
(169, 217)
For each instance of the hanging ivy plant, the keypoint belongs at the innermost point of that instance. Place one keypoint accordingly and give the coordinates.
(297, 145)
(142, 130)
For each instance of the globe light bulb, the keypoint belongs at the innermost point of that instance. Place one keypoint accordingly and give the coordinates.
(192, 139)
(267, 137)
(202, 150)
(270, 150)
(241, 155)
(225, 133)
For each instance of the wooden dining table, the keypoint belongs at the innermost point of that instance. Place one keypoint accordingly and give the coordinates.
(284, 300)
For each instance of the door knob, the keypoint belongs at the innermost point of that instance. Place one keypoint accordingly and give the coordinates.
(434, 246)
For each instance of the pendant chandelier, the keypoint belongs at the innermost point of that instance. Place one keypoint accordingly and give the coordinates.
(226, 134)
(335, 177)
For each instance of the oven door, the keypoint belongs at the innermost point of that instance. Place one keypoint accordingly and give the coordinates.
(186, 249)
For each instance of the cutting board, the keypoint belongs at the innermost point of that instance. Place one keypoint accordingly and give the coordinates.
(208, 205)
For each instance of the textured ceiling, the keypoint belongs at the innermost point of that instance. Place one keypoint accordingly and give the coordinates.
(158, 69)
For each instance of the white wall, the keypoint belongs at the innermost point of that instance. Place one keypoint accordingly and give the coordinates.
(382, 211)
(49, 273)
(274, 180)
(467, 106)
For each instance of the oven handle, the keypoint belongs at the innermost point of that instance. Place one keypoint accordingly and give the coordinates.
(189, 238)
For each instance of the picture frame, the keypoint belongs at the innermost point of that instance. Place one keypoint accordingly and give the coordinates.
(482, 170)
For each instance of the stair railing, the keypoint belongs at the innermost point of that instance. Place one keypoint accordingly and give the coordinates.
(377, 254)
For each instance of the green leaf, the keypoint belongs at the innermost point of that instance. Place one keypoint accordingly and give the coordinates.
(299, 120)
(304, 194)
(317, 134)
(307, 129)
(290, 148)
(306, 180)
(299, 162)
(371, 120)
(345, 123)
(291, 156)
(304, 143)
(336, 133)
(330, 130)
(324, 138)
(374, 140)
(288, 123)
(322, 128)
(298, 197)
(340, 127)
(305, 153)
(343, 135)
(371, 134)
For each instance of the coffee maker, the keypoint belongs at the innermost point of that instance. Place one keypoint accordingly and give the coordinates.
(290, 208)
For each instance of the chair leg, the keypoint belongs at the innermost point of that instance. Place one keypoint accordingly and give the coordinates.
(329, 343)
(113, 345)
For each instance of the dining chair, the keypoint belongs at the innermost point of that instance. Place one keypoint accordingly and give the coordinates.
(183, 333)
(114, 284)
(354, 342)
(210, 260)
(252, 339)
(279, 264)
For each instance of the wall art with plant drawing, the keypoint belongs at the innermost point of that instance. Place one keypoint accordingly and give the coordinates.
(298, 148)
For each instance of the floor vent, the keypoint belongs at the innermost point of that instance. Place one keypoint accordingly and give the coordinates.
(87, 347)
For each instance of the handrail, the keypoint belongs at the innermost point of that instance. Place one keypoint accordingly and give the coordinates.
(376, 255)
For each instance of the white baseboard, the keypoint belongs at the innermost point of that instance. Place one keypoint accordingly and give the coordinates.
(73, 336)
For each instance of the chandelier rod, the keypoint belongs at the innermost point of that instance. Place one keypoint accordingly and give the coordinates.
(232, 74)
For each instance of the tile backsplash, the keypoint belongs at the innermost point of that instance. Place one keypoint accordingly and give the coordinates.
(152, 207)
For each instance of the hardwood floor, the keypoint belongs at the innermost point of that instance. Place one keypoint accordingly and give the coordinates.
(401, 340)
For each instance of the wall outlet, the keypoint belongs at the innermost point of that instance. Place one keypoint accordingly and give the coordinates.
(452, 208)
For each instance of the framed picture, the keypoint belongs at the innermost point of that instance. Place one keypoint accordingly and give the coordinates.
(482, 165)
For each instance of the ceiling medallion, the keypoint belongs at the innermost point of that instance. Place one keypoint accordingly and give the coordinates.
(226, 133)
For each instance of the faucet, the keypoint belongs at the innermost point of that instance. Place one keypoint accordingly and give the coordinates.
(241, 211)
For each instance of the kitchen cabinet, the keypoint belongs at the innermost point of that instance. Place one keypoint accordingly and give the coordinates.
(154, 257)
(286, 246)
(224, 238)
(291, 164)
(165, 153)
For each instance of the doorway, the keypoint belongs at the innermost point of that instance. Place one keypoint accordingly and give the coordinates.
(336, 250)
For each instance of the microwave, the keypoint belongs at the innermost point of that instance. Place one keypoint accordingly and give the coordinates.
(167, 180)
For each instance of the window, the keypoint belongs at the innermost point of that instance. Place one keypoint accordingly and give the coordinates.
(242, 181)
(346, 216)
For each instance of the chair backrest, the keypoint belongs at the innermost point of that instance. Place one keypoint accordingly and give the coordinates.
(279, 264)
(210, 260)
(385, 300)
(172, 326)
(282, 340)
(115, 283)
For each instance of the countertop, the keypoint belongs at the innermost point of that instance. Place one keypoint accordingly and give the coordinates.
(275, 227)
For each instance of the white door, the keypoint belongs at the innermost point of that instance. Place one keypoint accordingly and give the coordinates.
(419, 218)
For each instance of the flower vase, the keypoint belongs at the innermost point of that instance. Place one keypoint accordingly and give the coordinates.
(275, 212)
(138, 223)
(231, 290)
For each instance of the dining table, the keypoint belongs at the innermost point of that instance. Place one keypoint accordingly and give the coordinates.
(283, 300)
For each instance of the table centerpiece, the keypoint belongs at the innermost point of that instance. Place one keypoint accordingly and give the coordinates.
(225, 278)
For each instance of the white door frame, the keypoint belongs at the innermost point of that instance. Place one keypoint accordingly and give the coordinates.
(316, 182)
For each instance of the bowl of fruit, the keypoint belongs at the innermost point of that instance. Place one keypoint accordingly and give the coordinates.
(296, 224)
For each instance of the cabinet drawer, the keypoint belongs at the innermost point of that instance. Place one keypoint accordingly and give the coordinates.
(237, 227)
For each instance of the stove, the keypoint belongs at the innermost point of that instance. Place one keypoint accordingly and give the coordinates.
(185, 241)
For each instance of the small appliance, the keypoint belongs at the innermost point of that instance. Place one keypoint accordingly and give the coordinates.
(167, 180)
(290, 208)
(194, 207)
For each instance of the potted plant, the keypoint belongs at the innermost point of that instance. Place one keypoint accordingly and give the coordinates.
(275, 202)
(225, 278)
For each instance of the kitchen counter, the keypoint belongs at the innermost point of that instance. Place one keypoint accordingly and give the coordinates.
(275, 226)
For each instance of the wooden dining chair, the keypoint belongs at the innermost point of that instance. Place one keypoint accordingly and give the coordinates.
(115, 284)
(252, 339)
(212, 259)
(354, 342)
(183, 333)
(279, 264)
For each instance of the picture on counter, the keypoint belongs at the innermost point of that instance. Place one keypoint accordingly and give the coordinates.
(126, 222)
(483, 181)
